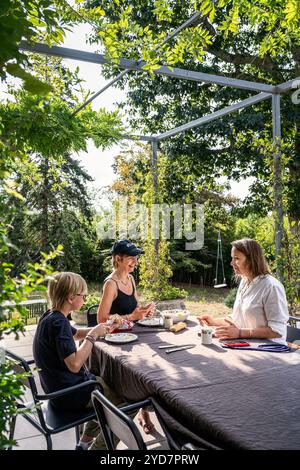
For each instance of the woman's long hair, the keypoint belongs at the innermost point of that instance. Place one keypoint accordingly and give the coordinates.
(256, 260)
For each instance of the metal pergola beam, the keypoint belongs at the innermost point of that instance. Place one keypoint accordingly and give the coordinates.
(145, 138)
(266, 90)
(124, 72)
(210, 117)
(182, 74)
(109, 84)
(287, 86)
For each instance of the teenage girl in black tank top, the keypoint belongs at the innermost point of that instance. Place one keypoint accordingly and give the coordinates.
(119, 297)
(123, 304)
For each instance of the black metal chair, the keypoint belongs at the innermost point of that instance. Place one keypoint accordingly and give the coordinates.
(91, 315)
(177, 435)
(38, 410)
(293, 333)
(114, 422)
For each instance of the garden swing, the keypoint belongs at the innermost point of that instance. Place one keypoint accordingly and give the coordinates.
(219, 256)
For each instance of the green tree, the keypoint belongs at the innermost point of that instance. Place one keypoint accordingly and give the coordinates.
(245, 41)
(56, 205)
(257, 42)
(55, 209)
(29, 19)
(134, 181)
(36, 125)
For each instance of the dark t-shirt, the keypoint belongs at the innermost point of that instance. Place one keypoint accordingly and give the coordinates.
(53, 342)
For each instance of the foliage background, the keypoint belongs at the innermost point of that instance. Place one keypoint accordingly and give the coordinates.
(43, 196)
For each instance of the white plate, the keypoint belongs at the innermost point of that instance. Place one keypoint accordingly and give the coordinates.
(149, 322)
(177, 314)
(120, 338)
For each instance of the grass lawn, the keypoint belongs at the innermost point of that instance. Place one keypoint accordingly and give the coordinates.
(206, 301)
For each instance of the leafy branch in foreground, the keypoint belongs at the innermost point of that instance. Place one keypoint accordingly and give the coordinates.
(16, 290)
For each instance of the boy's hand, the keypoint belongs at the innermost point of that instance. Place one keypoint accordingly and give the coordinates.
(103, 329)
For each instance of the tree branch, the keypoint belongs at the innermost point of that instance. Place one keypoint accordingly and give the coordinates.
(265, 63)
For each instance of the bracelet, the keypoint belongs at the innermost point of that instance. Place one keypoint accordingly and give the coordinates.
(91, 339)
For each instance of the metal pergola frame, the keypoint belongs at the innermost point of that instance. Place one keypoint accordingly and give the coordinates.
(265, 92)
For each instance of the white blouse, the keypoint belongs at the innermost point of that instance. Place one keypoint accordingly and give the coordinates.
(262, 303)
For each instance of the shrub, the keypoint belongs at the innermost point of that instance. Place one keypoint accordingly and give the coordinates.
(90, 300)
(229, 300)
(166, 293)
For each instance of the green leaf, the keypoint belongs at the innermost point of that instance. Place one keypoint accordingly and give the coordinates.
(212, 14)
(31, 83)
(37, 87)
(292, 10)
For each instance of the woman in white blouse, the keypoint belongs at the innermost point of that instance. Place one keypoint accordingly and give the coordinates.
(260, 309)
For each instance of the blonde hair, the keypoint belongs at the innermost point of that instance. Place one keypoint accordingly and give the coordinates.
(256, 260)
(63, 285)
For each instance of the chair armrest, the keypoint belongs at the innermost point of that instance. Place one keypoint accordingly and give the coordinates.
(66, 391)
(134, 406)
(294, 318)
(31, 361)
(188, 446)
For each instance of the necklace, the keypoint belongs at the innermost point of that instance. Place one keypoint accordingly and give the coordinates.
(124, 283)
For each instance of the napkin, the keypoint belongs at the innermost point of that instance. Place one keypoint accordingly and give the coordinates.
(178, 327)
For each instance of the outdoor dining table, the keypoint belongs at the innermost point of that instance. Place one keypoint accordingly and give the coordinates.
(238, 399)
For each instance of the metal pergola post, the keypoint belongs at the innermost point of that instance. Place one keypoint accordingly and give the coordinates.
(154, 167)
(154, 145)
(278, 186)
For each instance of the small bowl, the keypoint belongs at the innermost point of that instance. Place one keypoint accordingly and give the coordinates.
(177, 314)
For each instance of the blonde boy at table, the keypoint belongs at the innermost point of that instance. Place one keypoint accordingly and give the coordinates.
(61, 364)
(260, 309)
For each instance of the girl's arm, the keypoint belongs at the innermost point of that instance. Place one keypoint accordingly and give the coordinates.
(109, 295)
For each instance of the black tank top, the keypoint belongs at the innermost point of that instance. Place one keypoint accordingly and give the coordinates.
(123, 304)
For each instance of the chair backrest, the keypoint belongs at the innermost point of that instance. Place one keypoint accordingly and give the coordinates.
(178, 435)
(114, 422)
(294, 321)
(21, 366)
(292, 333)
(91, 315)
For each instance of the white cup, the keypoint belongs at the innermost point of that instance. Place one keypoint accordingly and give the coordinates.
(206, 334)
(168, 321)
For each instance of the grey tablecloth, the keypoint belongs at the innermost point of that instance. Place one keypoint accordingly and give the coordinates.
(237, 399)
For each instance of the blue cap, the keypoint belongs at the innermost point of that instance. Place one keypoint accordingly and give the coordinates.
(125, 247)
